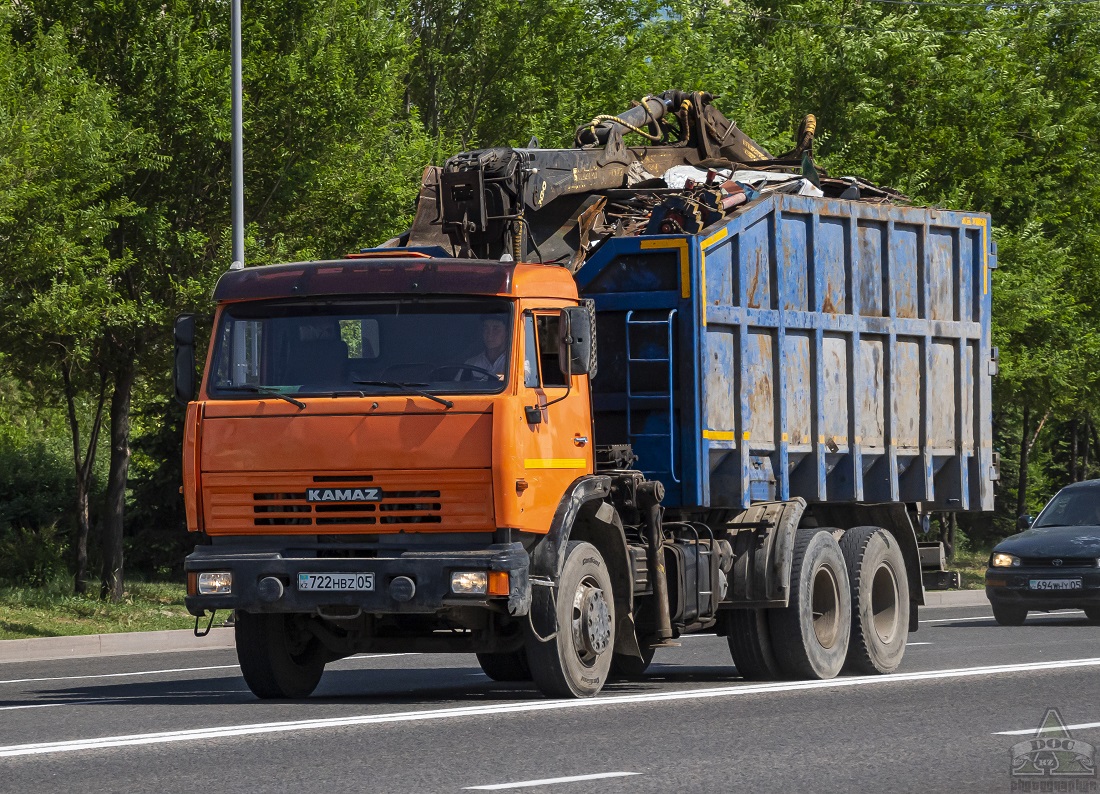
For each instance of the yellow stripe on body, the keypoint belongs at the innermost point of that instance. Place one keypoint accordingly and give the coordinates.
(555, 463)
(718, 435)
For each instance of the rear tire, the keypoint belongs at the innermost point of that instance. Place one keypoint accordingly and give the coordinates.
(1009, 615)
(571, 636)
(880, 600)
(279, 657)
(751, 645)
(505, 666)
(810, 636)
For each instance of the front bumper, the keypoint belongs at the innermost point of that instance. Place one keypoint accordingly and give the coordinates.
(429, 570)
(1012, 587)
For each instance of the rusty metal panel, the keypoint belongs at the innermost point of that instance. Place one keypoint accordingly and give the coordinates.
(847, 358)
(832, 350)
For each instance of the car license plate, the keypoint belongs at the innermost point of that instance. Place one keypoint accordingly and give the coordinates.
(1055, 584)
(336, 581)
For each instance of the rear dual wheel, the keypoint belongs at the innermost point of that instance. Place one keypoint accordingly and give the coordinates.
(810, 636)
(880, 600)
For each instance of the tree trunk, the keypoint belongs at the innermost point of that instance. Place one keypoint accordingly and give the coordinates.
(1073, 476)
(1085, 450)
(1021, 491)
(83, 470)
(115, 508)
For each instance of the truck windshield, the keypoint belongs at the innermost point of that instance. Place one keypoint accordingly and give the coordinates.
(452, 346)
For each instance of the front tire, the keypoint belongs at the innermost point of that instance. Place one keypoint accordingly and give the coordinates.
(279, 657)
(880, 600)
(631, 667)
(571, 637)
(810, 636)
(505, 666)
(1009, 615)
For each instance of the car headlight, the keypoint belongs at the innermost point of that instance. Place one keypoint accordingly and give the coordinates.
(1002, 560)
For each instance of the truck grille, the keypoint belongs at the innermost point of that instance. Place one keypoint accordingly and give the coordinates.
(280, 504)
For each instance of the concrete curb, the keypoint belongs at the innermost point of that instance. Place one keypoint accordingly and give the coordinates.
(50, 648)
(955, 598)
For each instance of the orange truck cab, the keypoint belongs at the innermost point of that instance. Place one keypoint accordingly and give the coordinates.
(376, 448)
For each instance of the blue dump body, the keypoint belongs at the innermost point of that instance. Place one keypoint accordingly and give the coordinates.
(834, 350)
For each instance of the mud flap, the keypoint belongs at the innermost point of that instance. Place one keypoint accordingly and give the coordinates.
(763, 540)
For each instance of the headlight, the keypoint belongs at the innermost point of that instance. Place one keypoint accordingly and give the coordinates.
(470, 582)
(215, 583)
(1002, 560)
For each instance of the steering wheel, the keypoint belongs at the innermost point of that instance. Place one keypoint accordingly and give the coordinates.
(460, 367)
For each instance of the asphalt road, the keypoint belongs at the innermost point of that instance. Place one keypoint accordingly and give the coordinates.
(185, 722)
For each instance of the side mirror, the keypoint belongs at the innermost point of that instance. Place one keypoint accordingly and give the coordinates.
(577, 340)
(1024, 522)
(183, 371)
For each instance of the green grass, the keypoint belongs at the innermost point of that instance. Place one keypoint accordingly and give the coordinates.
(971, 566)
(53, 611)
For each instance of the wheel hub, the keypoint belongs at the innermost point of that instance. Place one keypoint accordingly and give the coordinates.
(591, 622)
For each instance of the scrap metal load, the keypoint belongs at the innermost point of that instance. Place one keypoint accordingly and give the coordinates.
(559, 205)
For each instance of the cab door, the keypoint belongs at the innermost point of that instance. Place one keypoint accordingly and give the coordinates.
(556, 449)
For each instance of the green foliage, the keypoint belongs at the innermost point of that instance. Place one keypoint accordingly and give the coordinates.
(114, 174)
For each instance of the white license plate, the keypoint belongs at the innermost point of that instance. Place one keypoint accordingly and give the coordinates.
(336, 581)
(1055, 584)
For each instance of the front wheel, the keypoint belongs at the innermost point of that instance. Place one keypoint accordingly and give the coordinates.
(279, 656)
(505, 666)
(1009, 615)
(571, 637)
(632, 667)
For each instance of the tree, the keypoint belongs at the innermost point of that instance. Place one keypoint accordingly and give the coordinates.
(320, 95)
(65, 149)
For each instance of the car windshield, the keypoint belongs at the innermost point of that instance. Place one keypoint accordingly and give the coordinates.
(410, 345)
(1072, 507)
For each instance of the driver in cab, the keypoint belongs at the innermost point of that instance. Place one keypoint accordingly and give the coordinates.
(494, 357)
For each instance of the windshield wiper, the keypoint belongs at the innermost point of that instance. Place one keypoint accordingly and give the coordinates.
(393, 384)
(265, 390)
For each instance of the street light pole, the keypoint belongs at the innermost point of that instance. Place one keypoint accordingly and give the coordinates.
(238, 139)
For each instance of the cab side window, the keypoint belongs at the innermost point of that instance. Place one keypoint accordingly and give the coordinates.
(547, 328)
(530, 353)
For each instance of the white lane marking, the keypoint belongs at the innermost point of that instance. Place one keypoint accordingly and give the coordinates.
(1033, 731)
(549, 781)
(1060, 614)
(197, 734)
(911, 644)
(120, 675)
(172, 670)
(48, 705)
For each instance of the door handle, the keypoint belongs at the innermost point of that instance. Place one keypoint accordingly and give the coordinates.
(580, 441)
